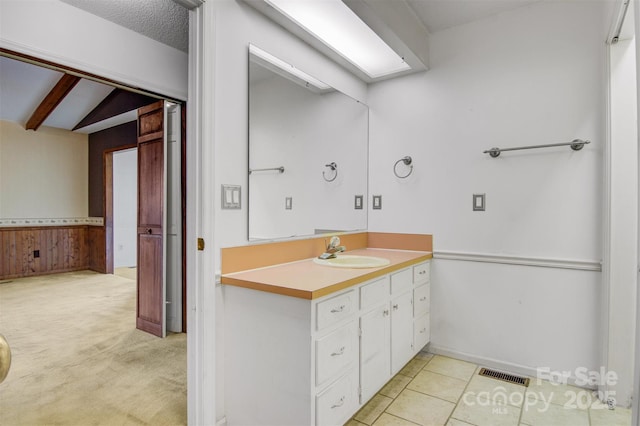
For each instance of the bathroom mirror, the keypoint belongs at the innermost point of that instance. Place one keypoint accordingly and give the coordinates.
(308, 153)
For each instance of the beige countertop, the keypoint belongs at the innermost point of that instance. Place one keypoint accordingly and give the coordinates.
(309, 280)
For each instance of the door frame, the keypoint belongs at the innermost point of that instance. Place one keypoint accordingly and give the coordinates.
(107, 191)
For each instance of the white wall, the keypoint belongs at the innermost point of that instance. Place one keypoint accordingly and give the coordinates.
(534, 75)
(125, 207)
(43, 174)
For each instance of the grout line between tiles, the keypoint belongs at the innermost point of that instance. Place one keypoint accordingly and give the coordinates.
(461, 395)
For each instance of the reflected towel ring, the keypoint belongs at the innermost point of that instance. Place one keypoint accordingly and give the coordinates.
(334, 168)
(407, 162)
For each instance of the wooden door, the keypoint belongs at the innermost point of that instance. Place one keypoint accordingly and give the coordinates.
(150, 313)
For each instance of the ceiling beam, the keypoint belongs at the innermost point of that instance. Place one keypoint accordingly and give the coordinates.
(117, 102)
(51, 101)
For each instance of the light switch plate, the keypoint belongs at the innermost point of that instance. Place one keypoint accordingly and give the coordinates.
(231, 197)
(288, 203)
(358, 202)
(377, 202)
(478, 202)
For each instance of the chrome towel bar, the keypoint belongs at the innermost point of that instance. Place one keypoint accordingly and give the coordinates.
(279, 169)
(576, 145)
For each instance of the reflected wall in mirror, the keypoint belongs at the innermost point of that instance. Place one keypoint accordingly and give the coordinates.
(308, 153)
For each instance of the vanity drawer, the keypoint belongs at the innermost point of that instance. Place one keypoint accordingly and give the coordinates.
(422, 332)
(335, 309)
(421, 300)
(401, 281)
(421, 272)
(338, 402)
(335, 351)
(374, 293)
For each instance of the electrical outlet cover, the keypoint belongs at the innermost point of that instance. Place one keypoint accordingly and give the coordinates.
(377, 202)
(478, 202)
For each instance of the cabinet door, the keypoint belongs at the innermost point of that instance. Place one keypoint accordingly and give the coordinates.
(375, 361)
(401, 331)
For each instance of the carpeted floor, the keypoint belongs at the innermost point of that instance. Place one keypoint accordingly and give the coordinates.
(79, 360)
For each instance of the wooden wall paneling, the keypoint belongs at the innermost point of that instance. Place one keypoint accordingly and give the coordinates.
(96, 249)
(61, 249)
(17, 255)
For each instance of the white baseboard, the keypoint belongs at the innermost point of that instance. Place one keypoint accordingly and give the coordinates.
(506, 367)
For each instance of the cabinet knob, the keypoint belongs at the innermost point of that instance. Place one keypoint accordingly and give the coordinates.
(338, 404)
(338, 309)
(149, 231)
(422, 299)
(385, 313)
(338, 352)
(422, 272)
(395, 307)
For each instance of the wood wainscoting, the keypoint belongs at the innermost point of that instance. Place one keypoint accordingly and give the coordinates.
(31, 251)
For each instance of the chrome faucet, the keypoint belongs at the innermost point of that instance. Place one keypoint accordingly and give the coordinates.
(333, 248)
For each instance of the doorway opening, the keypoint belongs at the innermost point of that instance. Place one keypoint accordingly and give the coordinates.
(125, 195)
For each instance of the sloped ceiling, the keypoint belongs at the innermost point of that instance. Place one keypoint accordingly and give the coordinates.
(23, 86)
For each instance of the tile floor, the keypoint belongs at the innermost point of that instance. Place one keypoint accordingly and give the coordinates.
(436, 390)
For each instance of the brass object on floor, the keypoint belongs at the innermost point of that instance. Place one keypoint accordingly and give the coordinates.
(5, 358)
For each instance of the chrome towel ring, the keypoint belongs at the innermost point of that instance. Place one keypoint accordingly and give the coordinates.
(334, 168)
(407, 162)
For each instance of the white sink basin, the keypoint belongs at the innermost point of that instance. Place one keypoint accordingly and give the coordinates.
(353, 261)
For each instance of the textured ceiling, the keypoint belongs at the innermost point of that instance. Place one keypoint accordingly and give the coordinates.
(161, 20)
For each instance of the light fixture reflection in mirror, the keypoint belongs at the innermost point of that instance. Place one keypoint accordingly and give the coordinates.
(296, 125)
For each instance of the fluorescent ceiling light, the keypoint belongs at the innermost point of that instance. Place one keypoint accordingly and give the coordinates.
(287, 68)
(332, 22)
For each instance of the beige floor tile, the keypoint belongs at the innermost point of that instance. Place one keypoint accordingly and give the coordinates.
(443, 387)
(483, 412)
(496, 390)
(413, 367)
(559, 394)
(354, 422)
(424, 356)
(553, 415)
(372, 409)
(601, 416)
(451, 367)
(420, 408)
(388, 420)
(396, 385)
(456, 422)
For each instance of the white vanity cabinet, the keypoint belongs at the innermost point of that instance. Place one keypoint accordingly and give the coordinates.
(294, 361)
(388, 325)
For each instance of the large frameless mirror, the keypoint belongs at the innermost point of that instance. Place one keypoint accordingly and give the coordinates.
(308, 153)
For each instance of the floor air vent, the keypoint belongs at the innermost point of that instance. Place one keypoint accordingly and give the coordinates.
(504, 377)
